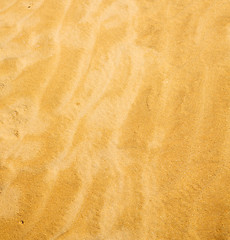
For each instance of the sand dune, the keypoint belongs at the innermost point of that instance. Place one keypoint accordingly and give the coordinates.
(114, 120)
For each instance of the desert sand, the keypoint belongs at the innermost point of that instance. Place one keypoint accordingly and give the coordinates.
(114, 120)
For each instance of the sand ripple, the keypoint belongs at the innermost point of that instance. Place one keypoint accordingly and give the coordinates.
(114, 120)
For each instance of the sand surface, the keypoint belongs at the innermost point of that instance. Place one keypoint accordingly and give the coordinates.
(114, 119)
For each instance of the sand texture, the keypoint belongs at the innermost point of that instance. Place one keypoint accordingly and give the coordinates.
(114, 119)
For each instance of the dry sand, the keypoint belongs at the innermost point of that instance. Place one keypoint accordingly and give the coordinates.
(115, 119)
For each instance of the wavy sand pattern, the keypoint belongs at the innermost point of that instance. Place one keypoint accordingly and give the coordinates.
(114, 120)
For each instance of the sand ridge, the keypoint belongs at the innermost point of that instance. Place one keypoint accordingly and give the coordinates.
(114, 120)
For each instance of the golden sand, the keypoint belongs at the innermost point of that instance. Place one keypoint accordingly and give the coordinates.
(114, 119)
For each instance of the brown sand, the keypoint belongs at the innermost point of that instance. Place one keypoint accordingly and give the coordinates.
(115, 119)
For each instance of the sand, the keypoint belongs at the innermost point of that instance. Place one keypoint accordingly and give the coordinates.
(114, 120)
